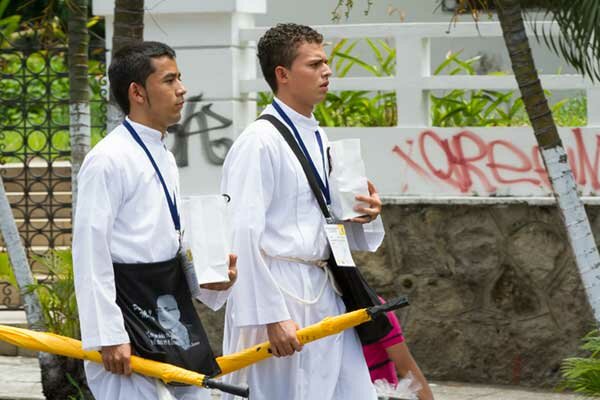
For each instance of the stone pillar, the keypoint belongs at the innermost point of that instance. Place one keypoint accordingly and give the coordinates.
(212, 60)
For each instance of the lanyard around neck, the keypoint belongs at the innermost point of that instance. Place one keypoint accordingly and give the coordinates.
(171, 202)
(324, 186)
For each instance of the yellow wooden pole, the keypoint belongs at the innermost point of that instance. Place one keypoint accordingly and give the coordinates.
(68, 347)
(65, 346)
(328, 326)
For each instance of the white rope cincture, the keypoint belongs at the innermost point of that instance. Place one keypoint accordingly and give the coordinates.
(317, 263)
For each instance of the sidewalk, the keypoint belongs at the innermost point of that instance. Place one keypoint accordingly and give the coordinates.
(471, 391)
(20, 380)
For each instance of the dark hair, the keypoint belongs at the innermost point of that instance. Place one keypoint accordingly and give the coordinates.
(279, 45)
(133, 63)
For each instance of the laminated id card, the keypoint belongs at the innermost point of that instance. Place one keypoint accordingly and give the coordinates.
(336, 235)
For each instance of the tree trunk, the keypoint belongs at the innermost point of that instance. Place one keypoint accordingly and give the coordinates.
(553, 153)
(64, 378)
(22, 271)
(79, 90)
(128, 28)
(19, 262)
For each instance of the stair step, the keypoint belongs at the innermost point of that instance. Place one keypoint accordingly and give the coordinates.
(18, 319)
(39, 176)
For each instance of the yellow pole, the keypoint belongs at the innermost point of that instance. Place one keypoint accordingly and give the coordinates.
(68, 347)
(328, 326)
(65, 346)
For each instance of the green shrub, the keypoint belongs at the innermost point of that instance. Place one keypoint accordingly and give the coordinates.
(355, 108)
(451, 108)
(6, 272)
(459, 107)
(57, 293)
(582, 374)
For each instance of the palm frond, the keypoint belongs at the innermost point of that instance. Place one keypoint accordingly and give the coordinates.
(579, 25)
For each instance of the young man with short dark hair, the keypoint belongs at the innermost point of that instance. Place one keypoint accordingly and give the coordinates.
(126, 237)
(281, 240)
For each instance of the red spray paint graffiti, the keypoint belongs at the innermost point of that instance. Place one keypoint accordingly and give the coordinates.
(466, 158)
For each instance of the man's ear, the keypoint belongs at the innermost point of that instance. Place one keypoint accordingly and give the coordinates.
(137, 93)
(281, 74)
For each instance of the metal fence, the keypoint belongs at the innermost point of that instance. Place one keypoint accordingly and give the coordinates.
(35, 143)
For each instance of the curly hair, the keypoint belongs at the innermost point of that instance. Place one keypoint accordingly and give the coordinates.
(279, 45)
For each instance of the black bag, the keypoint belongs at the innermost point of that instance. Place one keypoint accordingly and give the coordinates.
(160, 318)
(356, 292)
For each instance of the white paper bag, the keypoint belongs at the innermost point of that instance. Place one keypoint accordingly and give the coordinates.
(347, 179)
(406, 389)
(207, 237)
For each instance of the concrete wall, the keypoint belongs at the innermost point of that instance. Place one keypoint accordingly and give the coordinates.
(205, 36)
(478, 162)
(495, 294)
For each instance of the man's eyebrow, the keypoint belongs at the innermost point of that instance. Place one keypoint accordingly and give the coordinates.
(170, 75)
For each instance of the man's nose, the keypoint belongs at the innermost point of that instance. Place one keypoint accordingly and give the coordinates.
(181, 90)
(327, 73)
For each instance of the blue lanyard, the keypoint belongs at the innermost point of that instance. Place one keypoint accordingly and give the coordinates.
(324, 186)
(172, 202)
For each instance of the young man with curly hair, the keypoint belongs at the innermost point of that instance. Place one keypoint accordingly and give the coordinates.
(280, 236)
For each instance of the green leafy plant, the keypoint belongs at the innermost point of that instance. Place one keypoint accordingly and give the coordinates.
(452, 108)
(459, 107)
(582, 374)
(34, 111)
(359, 108)
(571, 111)
(6, 271)
(57, 293)
(355, 108)
(8, 24)
(81, 395)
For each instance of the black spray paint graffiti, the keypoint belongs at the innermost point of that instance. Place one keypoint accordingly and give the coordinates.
(183, 131)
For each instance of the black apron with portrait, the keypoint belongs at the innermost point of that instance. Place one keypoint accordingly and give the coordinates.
(356, 291)
(157, 306)
(159, 315)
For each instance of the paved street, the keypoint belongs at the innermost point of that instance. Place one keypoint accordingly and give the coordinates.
(20, 380)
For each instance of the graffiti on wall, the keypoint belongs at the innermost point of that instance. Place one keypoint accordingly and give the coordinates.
(196, 122)
(467, 162)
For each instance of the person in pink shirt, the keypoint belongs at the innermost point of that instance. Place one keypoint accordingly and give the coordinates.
(390, 356)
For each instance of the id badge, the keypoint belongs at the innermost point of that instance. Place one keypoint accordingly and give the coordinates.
(336, 235)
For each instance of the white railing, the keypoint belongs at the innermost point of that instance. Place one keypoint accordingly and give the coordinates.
(416, 163)
(412, 79)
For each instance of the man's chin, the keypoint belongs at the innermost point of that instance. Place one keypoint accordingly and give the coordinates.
(320, 99)
(175, 120)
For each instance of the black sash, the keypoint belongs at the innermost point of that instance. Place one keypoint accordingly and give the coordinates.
(356, 292)
(160, 318)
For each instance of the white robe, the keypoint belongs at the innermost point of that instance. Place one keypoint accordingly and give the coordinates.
(275, 214)
(122, 216)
